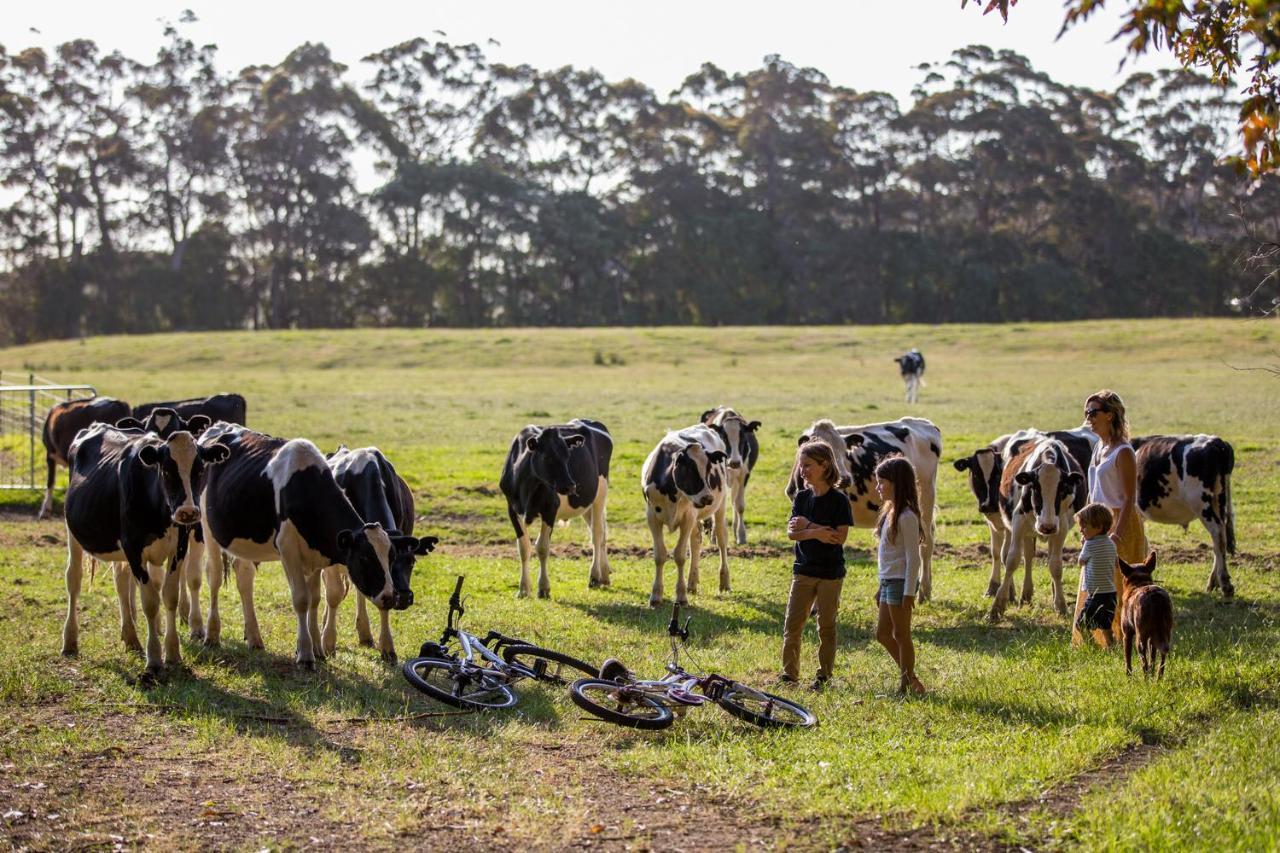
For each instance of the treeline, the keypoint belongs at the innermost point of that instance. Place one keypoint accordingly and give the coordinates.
(160, 196)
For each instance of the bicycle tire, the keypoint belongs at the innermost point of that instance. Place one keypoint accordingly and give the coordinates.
(649, 713)
(436, 678)
(547, 665)
(775, 712)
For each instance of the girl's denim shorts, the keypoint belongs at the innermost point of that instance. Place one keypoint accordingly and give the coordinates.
(891, 590)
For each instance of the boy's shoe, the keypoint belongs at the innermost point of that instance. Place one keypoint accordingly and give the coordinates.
(820, 682)
(784, 680)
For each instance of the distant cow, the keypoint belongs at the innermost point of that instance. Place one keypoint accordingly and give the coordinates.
(556, 473)
(1146, 617)
(1185, 477)
(277, 500)
(379, 494)
(60, 427)
(911, 366)
(1041, 488)
(685, 481)
(220, 407)
(859, 449)
(130, 495)
(739, 436)
(985, 467)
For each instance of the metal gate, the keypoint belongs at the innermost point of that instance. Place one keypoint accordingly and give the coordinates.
(23, 408)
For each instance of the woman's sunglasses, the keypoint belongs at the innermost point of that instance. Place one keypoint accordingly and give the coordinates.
(1088, 413)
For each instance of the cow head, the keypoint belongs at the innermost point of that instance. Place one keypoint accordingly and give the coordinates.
(165, 422)
(841, 448)
(550, 459)
(369, 554)
(406, 549)
(698, 473)
(1049, 486)
(182, 463)
(1141, 574)
(984, 467)
(733, 430)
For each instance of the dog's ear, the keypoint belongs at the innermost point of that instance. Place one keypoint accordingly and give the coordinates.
(1150, 563)
(1126, 569)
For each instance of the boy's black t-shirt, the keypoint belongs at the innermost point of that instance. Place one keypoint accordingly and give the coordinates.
(819, 559)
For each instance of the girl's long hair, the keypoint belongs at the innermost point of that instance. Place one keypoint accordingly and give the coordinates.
(900, 474)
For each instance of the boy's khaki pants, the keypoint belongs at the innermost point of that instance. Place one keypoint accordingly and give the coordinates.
(805, 591)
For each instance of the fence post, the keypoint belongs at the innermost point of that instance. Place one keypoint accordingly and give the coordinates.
(31, 431)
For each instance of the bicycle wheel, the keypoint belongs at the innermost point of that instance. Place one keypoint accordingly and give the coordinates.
(476, 689)
(608, 701)
(547, 665)
(764, 709)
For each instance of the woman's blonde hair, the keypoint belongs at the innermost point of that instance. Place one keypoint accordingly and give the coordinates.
(820, 452)
(900, 474)
(1111, 404)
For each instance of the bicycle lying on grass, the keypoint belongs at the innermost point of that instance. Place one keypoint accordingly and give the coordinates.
(619, 697)
(480, 673)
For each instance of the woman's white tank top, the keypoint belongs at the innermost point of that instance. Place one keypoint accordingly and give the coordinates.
(1105, 483)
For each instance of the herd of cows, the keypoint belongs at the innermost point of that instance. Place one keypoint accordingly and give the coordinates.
(163, 489)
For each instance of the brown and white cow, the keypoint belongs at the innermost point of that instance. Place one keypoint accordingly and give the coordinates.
(60, 427)
(1185, 477)
(739, 436)
(986, 465)
(859, 449)
(1041, 488)
(685, 481)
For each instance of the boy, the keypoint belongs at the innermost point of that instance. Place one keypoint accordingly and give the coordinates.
(1097, 578)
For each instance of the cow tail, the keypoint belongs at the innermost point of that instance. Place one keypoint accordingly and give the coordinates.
(1229, 514)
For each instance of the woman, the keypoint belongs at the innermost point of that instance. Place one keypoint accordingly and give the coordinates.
(1113, 481)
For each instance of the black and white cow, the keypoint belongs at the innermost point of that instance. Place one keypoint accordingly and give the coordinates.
(739, 436)
(557, 473)
(911, 366)
(63, 423)
(685, 481)
(219, 407)
(859, 449)
(986, 465)
(1185, 477)
(1041, 488)
(131, 497)
(379, 494)
(277, 500)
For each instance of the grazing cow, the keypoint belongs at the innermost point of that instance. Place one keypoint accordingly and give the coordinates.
(1146, 617)
(911, 366)
(859, 449)
(557, 473)
(739, 436)
(1040, 489)
(60, 427)
(220, 407)
(379, 494)
(1185, 477)
(277, 500)
(986, 465)
(131, 497)
(684, 482)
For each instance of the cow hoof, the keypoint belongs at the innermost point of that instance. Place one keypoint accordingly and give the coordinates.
(211, 642)
(544, 593)
(1228, 591)
(524, 593)
(71, 651)
(307, 665)
(133, 646)
(593, 583)
(197, 636)
(653, 602)
(389, 657)
(367, 643)
(724, 587)
(992, 589)
(255, 644)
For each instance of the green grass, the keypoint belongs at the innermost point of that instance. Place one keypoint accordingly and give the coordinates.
(1013, 710)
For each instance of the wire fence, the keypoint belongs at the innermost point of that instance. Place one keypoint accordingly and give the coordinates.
(25, 400)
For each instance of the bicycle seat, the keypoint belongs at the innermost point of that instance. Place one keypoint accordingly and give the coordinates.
(614, 670)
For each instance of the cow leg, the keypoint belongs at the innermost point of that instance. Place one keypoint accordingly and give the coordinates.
(386, 645)
(928, 502)
(304, 650)
(543, 548)
(681, 555)
(74, 574)
(315, 591)
(171, 594)
(151, 609)
(191, 568)
(214, 572)
(1219, 577)
(600, 569)
(1055, 569)
(335, 589)
(183, 604)
(526, 550)
(722, 542)
(695, 554)
(124, 592)
(659, 556)
(245, 570)
(48, 488)
(740, 508)
(1028, 583)
(362, 620)
(1012, 555)
(998, 544)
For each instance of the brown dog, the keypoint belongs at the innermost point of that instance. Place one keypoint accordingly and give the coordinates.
(1146, 616)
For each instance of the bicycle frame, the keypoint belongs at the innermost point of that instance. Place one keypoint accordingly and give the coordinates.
(476, 650)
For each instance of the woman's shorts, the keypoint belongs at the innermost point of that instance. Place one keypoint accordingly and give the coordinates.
(1098, 612)
(891, 590)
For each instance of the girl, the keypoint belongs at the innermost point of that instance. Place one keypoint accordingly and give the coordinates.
(898, 555)
(1113, 482)
(820, 522)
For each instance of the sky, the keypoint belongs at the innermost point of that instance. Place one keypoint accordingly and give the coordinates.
(861, 44)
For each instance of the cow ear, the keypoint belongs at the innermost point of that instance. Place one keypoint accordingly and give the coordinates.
(853, 440)
(1024, 477)
(802, 440)
(1075, 478)
(129, 423)
(706, 416)
(753, 426)
(346, 538)
(197, 424)
(150, 454)
(963, 464)
(575, 441)
(426, 545)
(214, 453)
(531, 443)
(717, 456)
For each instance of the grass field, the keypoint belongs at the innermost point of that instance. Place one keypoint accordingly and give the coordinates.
(1021, 741)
